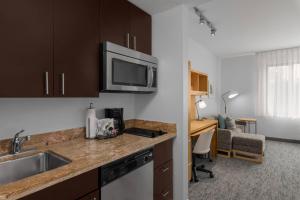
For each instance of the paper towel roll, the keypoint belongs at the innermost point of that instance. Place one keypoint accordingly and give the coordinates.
(91, 123)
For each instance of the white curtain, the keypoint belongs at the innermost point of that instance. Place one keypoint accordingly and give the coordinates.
(279, 83)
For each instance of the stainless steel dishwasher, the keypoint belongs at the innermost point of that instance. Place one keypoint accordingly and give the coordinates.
(130, 178)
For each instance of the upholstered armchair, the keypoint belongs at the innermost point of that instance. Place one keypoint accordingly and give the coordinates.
(225, 139)
(242, 145)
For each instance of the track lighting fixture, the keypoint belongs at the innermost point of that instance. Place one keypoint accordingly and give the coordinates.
(204, 20)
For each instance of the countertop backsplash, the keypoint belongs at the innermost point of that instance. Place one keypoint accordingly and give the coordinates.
(54, 137)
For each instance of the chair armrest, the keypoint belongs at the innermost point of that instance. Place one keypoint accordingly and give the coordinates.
(224, 139)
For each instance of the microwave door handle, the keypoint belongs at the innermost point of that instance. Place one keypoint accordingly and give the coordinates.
(149, 77)
(152, 76)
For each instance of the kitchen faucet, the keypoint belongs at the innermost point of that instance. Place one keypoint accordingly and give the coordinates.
(17, 141)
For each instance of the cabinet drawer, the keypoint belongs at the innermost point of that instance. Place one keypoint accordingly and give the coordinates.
(164, 194)
(163, 176)
(163, 180)
(162, 153)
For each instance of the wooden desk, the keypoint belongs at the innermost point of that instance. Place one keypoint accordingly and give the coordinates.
(197, 128)
(198, 125)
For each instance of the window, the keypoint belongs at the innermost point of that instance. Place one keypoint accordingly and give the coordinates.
(279, 83)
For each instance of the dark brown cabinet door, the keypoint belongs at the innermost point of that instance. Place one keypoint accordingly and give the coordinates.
(163, 171)
(25, 48)
(163, 181)
(115, 21)
(76, 48)
(162, 153)
(140, 29)
(71, 189)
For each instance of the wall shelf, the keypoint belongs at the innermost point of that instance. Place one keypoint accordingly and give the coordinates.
(199, 82)
(198, 93)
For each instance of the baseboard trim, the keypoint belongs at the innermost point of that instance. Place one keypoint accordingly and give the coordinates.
(283, 140)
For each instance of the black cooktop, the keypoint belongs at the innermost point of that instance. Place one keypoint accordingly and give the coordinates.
(144, 132)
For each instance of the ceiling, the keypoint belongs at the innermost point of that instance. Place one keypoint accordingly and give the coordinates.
(243, 26)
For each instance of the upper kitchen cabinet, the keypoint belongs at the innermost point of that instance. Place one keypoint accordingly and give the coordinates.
(115, 21)
(140, 29)
(51, 48)
(25, 48)
(125, 24)
(76, 48)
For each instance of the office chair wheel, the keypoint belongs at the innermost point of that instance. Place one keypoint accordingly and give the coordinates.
(211, 175)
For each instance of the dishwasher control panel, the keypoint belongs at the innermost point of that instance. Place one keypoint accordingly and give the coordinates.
(119, 168)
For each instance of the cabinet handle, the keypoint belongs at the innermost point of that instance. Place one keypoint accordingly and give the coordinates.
(128, 40)
(63, 84)
(134, 42)
(46, 83)
(165, 194)
(165, 170)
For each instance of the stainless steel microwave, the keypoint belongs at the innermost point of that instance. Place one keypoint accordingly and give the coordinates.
(126, 70)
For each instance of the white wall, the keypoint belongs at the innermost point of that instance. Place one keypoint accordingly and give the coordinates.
(239, 73)
(167, 103)
(203, 60)
(174, 44)
(43, 115)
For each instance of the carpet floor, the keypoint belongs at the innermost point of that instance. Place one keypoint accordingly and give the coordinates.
(278, 178)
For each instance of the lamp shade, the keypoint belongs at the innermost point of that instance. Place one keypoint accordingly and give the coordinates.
(201, 104)
(230, 94)
(227, 96)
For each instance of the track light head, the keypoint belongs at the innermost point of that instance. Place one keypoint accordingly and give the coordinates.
(202, 20)
(213, 32)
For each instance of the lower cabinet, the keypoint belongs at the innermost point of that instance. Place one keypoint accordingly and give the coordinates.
(163, 171)
(83, 187)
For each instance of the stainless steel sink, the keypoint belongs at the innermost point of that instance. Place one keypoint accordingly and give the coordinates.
(23, 167)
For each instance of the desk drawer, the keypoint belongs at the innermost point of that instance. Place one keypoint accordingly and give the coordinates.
(163, 181)
(162, 153)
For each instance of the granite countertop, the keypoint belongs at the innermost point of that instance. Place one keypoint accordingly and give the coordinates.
(86, 155)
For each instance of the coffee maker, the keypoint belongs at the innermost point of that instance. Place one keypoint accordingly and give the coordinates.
(117, 115)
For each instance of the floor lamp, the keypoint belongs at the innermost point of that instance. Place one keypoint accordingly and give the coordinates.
(229, 95)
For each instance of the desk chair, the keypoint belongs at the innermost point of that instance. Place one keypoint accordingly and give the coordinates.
(201, 149)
